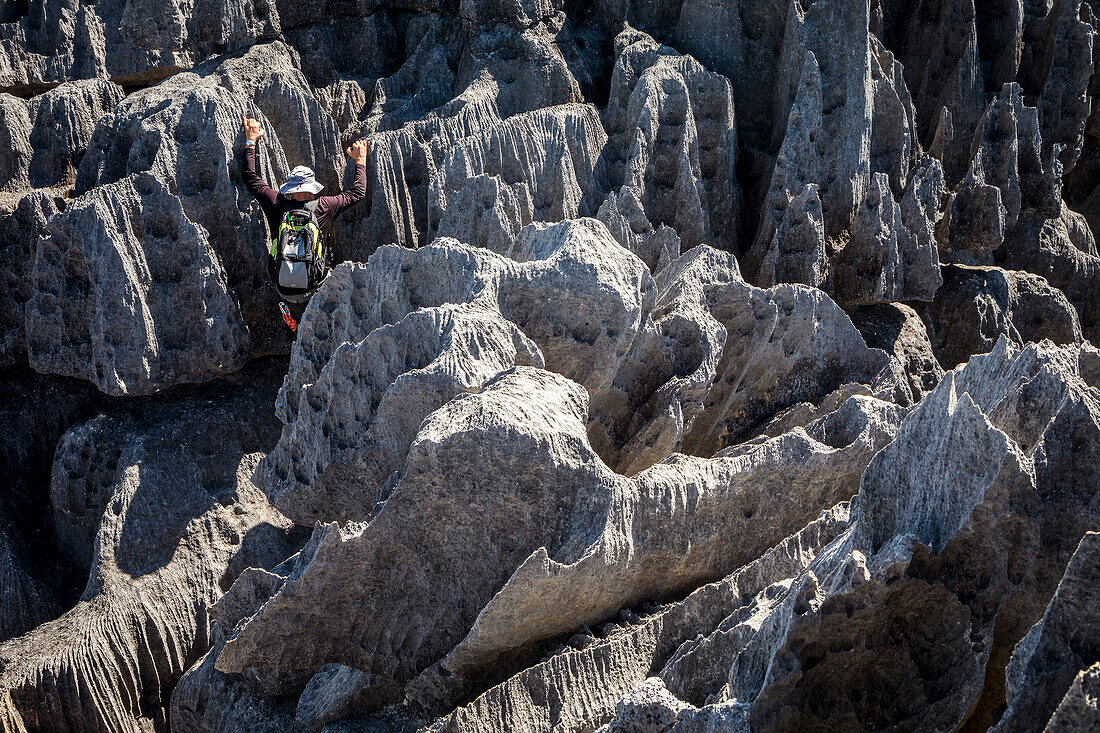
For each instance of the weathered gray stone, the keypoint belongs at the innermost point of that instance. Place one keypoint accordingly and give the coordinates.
(1065, 642)
(422, 111)
(1034, 396)
(342, 56)
(899, 331)
(717, 358)
(141, 40)
(527, 412)
(894, 144)
(1079, 710)
(333, 693)
(937, 43)
(796, 253)
(626, 219)
(848, 116)
(519, 14)
(1067, 59)
(570, 288)
(547, 552)
(62, 122)
(885, 260)
(206, 700)
(592, 678)
(939, 572)
(978, 305)
(649, 708)
(919, 594)
(15, 133)
(828, 56)
(741, 41)
(37, 410)
(1004, 181)
(1060, 250)
(540, 441)
(353, 428)
(181, 520)
(129, 294)
(544, 596)
(547, 159)
(672, 142)
(19, 232)
(25, 601)
(486, 212)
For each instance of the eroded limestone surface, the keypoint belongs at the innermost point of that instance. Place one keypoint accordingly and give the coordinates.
(689, 366)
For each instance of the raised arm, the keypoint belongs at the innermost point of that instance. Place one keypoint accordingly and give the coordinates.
(358, 154)
(256, 185)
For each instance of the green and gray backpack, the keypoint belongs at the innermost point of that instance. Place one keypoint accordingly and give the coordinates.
(297, 260)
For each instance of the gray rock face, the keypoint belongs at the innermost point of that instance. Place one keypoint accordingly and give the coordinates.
(486, 212)
(891, 255)
(718, 357)
(901, 564)
(826, 62)
(624, 409)
(937, 43)
(630, 651)
(49, 138)
(847, 148)
(1078, 709)
(208, 700)
(539, 540)
(1045, 663)
(129, 294)
(741, 41)
(1066, 55)
(911, 554)
(19, 232)
(545, 160)
(27, 601)
(62, 40)
(541, 598)
(15, 132)
(899, 331)
(456, 85)
(1004, 181)
(796, 252)
(338, 458)
(1062, 251)
(670, 123)
(978, 305)
(517, 14)
(179, 521)
(570, 287)
(36, 411)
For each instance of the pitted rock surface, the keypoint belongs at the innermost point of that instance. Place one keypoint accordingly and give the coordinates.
(688, 366)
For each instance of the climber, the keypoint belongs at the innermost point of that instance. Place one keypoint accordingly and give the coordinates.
(301, 223)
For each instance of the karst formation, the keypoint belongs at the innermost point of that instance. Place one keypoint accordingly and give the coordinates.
(688, 366)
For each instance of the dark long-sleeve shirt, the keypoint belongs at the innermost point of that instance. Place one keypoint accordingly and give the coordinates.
(275, 204)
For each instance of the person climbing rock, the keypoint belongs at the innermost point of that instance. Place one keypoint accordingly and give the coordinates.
(300, 222)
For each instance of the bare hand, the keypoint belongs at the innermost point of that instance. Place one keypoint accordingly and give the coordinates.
(252, 129)
(358, 152)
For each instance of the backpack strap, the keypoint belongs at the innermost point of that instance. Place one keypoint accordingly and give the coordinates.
(310, 208)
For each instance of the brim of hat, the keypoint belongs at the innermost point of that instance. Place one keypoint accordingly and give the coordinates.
(313, 187)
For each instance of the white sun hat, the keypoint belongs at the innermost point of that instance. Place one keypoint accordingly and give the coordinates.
(301, 179)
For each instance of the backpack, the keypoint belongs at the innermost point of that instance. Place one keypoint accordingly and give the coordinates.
(297, 260)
